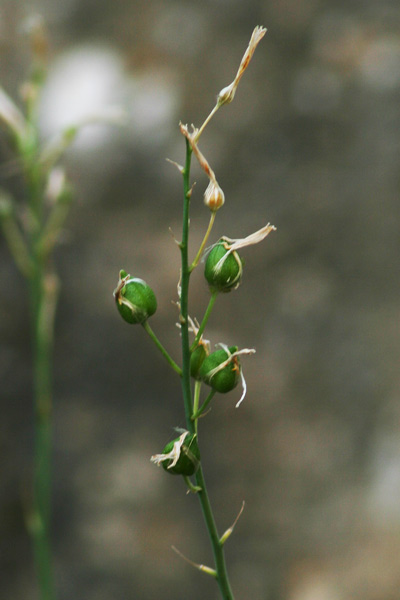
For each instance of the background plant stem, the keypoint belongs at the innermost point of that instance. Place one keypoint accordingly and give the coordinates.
(218, 551)
(43, 302)
(43, 292)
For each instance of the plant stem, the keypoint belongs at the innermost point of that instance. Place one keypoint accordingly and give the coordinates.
(208, 119)
(196, 399)
(197, 413)
(205, 319)
(163, 351)
(43, 301)
(13, 236)
(218, 551)
(185, 277)
(203, 243)
(43, 290)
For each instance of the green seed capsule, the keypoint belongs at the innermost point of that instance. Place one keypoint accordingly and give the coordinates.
(223, 275)
(135, 300)
(223, 379)
(196, 360)
(189, 458)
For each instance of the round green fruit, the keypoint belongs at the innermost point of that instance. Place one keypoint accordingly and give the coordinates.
(225, 379)
(189, 458)
(223, 275)
(135, 300)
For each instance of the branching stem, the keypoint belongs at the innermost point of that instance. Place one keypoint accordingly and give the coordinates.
(205, 319)
(161, 348)
(204, 242)
(218, 551)
(199, 411)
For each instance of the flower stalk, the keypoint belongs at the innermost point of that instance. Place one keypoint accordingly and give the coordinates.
(161, 348)
(31, 242)
(221, 370)
(204, 322)
(217, 547)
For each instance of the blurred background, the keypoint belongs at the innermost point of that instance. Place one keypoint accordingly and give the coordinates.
(311, 143)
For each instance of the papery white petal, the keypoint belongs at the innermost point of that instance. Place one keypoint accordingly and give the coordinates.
(174, 454)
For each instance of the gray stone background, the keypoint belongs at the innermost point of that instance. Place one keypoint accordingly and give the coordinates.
(310, 143)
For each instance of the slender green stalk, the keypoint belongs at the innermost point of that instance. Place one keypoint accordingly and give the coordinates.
(204, 242)
(161, 348)
(205, 319)
(196, 400)
(217, 546)
(218, 551)
(43, 301)
(197, 412)
(185, 277)
(43, 295)
(208, 119)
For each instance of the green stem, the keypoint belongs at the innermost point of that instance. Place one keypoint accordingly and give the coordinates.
(204, 242)
(161, 348)
(193, 488)
(218, 551)
(43, 292)
(185, 277)
(197, 413)
(196, 399)
(14, 237)
(43, 300)
(204, 321)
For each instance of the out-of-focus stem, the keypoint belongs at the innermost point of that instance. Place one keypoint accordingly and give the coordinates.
(14, 237)
(43, 291)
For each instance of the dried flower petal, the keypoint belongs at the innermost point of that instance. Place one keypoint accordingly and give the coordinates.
(230, 358)
(174, 454)
(253, 238)
(227, 94)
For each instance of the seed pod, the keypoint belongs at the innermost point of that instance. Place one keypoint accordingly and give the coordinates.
(135, 300)
(189, 457)
(196, 359)
(223, 269)
(219, 372)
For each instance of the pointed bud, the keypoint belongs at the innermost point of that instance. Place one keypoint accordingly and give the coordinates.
(223, 269)
(180, 456)
(135, 300)
(214, 197)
